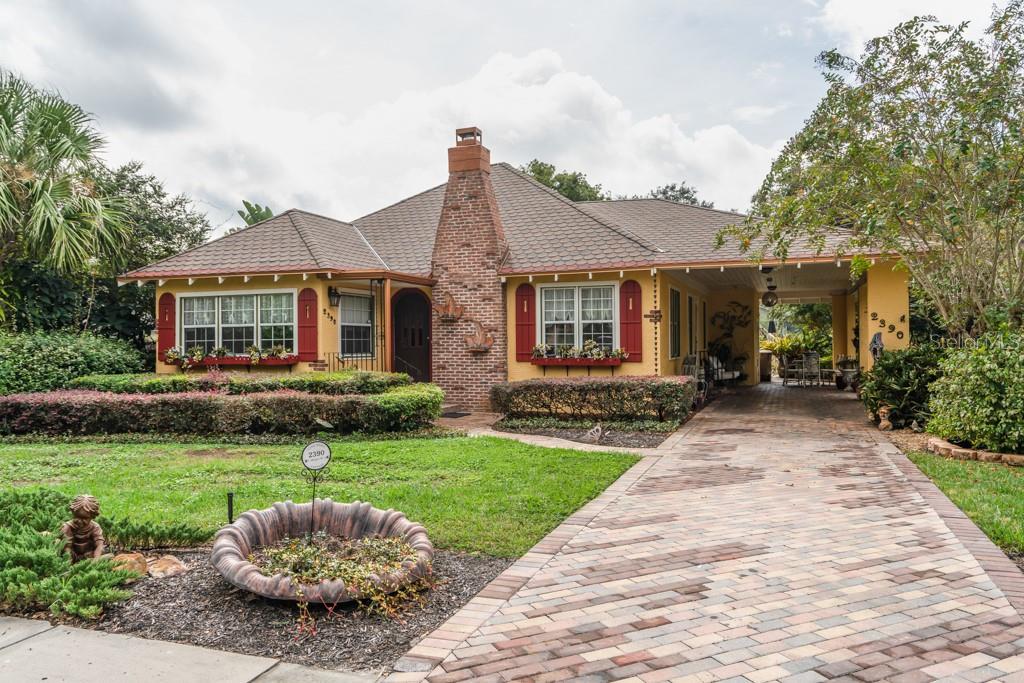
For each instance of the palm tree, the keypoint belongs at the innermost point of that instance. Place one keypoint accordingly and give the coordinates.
(51, 209)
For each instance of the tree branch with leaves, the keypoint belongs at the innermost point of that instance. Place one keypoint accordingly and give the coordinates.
(916, 151)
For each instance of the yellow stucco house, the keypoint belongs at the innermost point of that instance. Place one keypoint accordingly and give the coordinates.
(493, 276)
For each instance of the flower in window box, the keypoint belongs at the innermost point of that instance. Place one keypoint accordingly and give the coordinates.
(541, 351)
(173, 355)
(276, 351)
(195, 356)
(255, 354)
(219, 352)
(618, 354)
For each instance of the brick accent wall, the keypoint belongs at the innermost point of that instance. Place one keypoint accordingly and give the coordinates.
(468, 250)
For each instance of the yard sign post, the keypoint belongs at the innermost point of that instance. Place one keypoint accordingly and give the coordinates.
(315, 458)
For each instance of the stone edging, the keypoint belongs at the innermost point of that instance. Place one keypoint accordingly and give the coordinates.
(1001, 569)
(947, 450)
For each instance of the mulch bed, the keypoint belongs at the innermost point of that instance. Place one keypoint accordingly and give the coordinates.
(201, 608)
(609, 438)
(908, 440)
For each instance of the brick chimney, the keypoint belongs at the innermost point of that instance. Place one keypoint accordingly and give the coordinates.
(469, 353)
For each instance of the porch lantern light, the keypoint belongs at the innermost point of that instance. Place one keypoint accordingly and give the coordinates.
(769, 299)
(334, 296)
(771, 327)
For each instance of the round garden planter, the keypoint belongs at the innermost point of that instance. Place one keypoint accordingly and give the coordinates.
(256, 528)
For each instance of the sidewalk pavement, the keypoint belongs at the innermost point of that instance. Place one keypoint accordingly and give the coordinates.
(33, 650)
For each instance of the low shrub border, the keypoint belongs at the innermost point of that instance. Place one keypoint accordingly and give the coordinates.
(597, 398)
(336, 383)
(900, 381)
(282, 412)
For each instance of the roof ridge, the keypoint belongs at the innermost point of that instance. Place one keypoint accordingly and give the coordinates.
(215, 239)
(300, 231)
(370, 246)
(400, 201)
(668, 201)
(622, 231)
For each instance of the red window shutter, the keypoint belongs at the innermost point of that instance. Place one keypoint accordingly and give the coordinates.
(630, 319)
(165, 324)
(526, 322)
(307, 325)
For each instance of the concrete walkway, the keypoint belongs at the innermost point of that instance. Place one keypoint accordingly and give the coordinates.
(777, 537)
(37, 651)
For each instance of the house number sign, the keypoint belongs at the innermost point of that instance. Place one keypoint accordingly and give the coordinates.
(315, 458)
(890, 327)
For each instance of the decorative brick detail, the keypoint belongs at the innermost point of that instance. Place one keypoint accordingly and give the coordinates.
(468, 251)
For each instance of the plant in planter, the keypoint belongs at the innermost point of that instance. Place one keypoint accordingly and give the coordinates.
(173, 355)
(193, 357)
(255, 354)
(277, 351)
(591, 350)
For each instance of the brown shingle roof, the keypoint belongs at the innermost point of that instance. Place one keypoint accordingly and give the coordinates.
(545, 232)
(291, 241)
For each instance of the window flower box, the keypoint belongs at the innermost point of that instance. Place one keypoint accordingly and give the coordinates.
(577, 362)
(244, 361)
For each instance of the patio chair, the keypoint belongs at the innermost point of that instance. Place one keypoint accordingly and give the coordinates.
(811, 369)
(791, 369)
(692, 368)
(718, 372)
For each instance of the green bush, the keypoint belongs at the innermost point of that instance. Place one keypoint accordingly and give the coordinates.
(36, 573)
(900, 379)
(282, 412)
(40, 361)
(979, 401)
(335, 383)
(597, 398)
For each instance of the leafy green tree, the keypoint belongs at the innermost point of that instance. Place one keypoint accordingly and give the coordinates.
(253, 213)
(680, 193)
(571, 184)
(52, 209)
(917, 150)
(158, 225)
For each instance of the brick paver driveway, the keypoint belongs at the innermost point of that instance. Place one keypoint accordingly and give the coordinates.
(776, 538)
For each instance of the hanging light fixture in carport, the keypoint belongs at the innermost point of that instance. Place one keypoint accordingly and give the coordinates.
(770, 298)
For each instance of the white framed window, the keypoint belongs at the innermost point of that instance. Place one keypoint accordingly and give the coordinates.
(570, 315)
(238, 320)
(199, 322)
(355, 323)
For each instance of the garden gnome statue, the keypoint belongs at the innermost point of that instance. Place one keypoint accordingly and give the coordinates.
(84, 537)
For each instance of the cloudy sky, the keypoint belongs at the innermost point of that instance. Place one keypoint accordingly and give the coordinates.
(343, 107)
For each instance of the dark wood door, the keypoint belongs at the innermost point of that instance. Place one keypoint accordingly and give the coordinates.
(410, 323)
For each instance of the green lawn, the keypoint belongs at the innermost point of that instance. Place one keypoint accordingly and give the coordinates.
(991, 494)
(486, 495)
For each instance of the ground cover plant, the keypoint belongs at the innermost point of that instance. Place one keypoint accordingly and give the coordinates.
(485, 495)
(36, 573)
(357, 562)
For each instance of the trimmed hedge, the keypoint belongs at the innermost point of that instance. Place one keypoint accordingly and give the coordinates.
(900, 379)
(979, 401)
(335, 383)
(282, 412)
(598, 398)
(41, 361)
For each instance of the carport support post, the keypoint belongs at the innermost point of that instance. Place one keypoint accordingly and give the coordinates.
(389, 339)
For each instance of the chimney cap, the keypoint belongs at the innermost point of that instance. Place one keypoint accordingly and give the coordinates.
(468, 136)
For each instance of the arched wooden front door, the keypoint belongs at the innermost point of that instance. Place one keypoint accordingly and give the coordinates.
(410, 325)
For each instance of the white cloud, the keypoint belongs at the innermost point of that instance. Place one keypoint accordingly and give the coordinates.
(755, 113)
(855, 22)
(242, 122)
